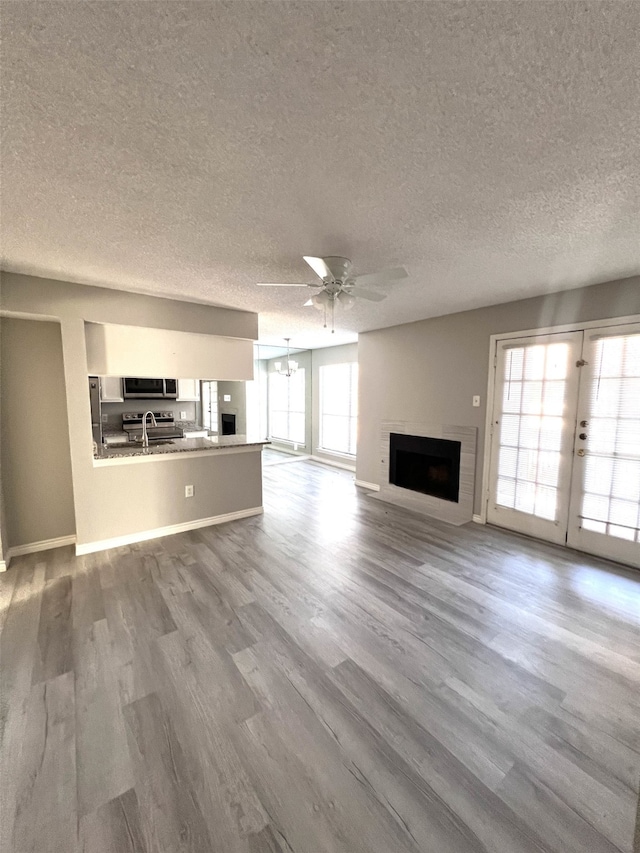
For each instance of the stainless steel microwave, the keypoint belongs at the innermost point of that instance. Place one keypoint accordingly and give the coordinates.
(142, 388)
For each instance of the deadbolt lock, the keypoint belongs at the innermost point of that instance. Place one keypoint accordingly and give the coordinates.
(582, 436)
(583, 423)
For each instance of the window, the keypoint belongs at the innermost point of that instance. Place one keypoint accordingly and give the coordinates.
(339, 408)
(287, 407)
(210, 405)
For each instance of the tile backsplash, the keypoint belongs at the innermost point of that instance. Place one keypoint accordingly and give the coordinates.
(114, 411)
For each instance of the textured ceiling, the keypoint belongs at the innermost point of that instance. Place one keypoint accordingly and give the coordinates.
(193, 149)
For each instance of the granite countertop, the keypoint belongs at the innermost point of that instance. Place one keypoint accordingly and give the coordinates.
(179, 445)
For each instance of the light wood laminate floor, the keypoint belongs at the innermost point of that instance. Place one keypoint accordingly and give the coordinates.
(336, 675)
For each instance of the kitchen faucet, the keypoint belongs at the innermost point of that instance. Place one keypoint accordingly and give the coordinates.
(145, 434)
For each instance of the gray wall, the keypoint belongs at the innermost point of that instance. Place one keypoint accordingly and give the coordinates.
(36, 461)
(151, 493)
(237, 405)
(429, 371)
(49, 297)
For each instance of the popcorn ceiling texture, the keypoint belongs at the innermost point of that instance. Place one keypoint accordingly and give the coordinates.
(193, 149)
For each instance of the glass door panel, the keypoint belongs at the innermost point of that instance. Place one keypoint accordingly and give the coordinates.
(532, 434)
(605, 504)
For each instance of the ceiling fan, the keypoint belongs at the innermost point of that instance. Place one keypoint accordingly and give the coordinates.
(339, 285)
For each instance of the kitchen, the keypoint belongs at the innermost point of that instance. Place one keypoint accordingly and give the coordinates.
(159, 415)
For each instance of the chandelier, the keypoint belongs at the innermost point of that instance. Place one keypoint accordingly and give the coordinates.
(290, 366)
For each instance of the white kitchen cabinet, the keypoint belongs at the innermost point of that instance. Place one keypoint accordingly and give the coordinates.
(111, 389)
(188, 390)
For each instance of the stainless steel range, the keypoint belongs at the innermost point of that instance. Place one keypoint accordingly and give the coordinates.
(165, 430)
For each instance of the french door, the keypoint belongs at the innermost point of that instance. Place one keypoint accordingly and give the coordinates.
(565, 443)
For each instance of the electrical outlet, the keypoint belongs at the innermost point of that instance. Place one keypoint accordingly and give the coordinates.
(105, 419)
(476, 401)
(183, 416)
(188, 491)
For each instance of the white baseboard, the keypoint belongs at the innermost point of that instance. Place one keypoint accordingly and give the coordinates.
(372, 487)
(143, 535)
(333, 462)
(43, 545)
(477, 519)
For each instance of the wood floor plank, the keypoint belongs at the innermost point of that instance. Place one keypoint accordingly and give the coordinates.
(7, 585)
(309, 793)
(171, 818)
(610, 813)
(369, 757)
(104, 768)
(46, 812)
(55, 630)
(114, 827)
(565, 831)
(136, 616)
(193, 699)
(18, 655)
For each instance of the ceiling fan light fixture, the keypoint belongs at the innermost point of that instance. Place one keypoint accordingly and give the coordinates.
(347, 300)
(321, 300)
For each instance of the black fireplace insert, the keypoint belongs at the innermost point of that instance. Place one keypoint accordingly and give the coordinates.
(427, 465)
(228, 423)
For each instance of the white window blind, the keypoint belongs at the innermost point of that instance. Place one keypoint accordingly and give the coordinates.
(611, 495)
(287, 407)
(530, 438)
(339, 407)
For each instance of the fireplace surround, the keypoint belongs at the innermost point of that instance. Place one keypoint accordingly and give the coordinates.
(442, 508)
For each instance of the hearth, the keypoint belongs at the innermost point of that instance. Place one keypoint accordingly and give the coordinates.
(427, 465)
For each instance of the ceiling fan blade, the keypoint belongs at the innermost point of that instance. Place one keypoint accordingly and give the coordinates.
(283, 284)
(367, 294)
(382, 277)
(318, 266)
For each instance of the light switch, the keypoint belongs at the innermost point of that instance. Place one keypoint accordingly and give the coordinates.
(227, 398)
(476, 400)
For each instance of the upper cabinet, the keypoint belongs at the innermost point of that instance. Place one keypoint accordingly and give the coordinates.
(114, 350)
(111, 389)
(188, 390)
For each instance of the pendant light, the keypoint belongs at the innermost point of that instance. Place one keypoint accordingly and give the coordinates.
(290, 366)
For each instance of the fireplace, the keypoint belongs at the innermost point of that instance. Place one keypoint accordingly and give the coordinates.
(427, 465)
(228, 423)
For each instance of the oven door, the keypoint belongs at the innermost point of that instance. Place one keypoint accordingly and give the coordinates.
(140, 388)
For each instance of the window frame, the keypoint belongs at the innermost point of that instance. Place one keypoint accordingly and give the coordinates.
(351, 416)
(293, 382)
